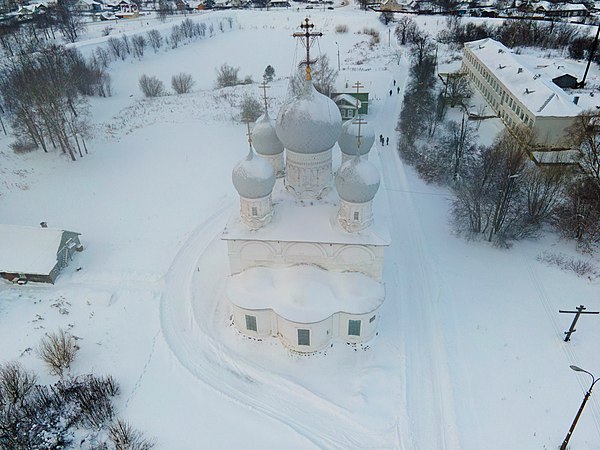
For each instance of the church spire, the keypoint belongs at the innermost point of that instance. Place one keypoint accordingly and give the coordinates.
(306, 39)
(264, 86)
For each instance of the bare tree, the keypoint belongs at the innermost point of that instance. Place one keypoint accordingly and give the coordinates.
(116, 47)
(405, 29)
(227, 76)
(182, 83)
(70, 24)
(176, 36)
(151, 86)
(323, 76)
(125, 437)
(138, 43)
(155, 39)
(58, 351)
(457, 90)
(15, 383)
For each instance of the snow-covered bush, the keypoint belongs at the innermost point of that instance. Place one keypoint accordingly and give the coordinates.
(227, 76)
(125, 437)
(58, 351)
(341, 28)
(182, 83)
(151, 86)
(250, 109)
(155, 39)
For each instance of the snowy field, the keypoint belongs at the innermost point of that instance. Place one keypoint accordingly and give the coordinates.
(469, 353)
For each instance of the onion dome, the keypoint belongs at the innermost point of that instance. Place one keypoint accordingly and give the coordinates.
(265, 138)
(348, 140)
(253, 177)
(357, 181)
(310, 122)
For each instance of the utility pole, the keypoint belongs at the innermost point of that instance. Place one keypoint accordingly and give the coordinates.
(580, 310)
(587, 67)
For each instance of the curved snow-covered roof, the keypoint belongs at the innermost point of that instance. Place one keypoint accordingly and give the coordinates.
(264, 137)
(253, 177)
(357, 181)
(309, 123)
(304, 293)
(348, 140)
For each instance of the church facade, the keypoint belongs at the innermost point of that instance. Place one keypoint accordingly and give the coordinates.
(305, 251)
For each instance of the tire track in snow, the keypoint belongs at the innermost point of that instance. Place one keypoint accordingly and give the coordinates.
(228, 373)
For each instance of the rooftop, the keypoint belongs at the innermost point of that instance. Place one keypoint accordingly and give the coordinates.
(536, 92)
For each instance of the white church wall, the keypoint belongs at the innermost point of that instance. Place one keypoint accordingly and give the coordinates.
(320, 334)
(256, 212)
(366, 259)
(368, 326)
(355, 216)
(264, 321)
(308, 175)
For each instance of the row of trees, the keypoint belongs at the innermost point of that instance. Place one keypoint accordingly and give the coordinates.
(517, 33)
(34, 415)
(44, 94)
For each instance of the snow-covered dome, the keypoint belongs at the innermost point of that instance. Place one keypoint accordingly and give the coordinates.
(253, 177)
(264, 137)
(357, 181)
(348, 141)
(310, 122)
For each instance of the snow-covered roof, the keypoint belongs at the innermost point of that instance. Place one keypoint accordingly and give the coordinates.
(305, 294)
(28, 250)
(537, 93)
(348, 99)
(253, 177)
(310, 221)
(357, 181)
(348, 140)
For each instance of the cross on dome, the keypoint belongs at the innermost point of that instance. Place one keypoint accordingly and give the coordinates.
(307, 41)
(264, 86)
(358, 121)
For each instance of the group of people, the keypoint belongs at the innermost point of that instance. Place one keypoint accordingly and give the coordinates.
(383, 140)
(397, 89)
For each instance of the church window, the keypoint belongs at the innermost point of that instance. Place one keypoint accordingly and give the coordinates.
(303, 337)
(254, 211)
(372, 319)
(354, 327)
(251, 323)
(356, 215)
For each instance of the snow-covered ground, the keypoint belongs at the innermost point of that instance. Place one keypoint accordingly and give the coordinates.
(469, 353)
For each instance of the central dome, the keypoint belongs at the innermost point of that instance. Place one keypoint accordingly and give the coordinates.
(309, 123)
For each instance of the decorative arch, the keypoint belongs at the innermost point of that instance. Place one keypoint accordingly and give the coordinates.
(256, 250)
(301, 250)
(355, 253)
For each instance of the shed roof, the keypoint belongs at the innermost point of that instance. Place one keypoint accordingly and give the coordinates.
(537, 93)
(28, 250)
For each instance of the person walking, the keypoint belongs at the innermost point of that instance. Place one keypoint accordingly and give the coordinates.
(398, 89)
(387, 141)
(394, 82)
(390, 92)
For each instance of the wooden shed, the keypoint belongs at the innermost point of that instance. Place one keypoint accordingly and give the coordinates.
(35, 254)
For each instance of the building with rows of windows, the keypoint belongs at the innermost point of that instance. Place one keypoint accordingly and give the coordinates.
(518, 94)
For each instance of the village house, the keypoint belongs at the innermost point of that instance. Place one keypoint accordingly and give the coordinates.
(35, 254)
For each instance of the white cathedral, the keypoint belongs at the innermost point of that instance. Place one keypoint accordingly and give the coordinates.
(306, 255)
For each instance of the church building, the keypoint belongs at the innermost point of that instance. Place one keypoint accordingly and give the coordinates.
(305, 251)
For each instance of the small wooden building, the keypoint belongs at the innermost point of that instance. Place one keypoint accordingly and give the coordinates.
(35, 254)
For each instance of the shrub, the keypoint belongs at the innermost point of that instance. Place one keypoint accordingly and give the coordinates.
(250, 109)
(22, 145)
(155, 39)
(58, 351)
(182, 83)
(124, 437)
(341, 28)
(151, 86)
(227, 76)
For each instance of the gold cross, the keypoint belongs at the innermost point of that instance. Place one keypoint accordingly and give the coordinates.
(307, 35)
